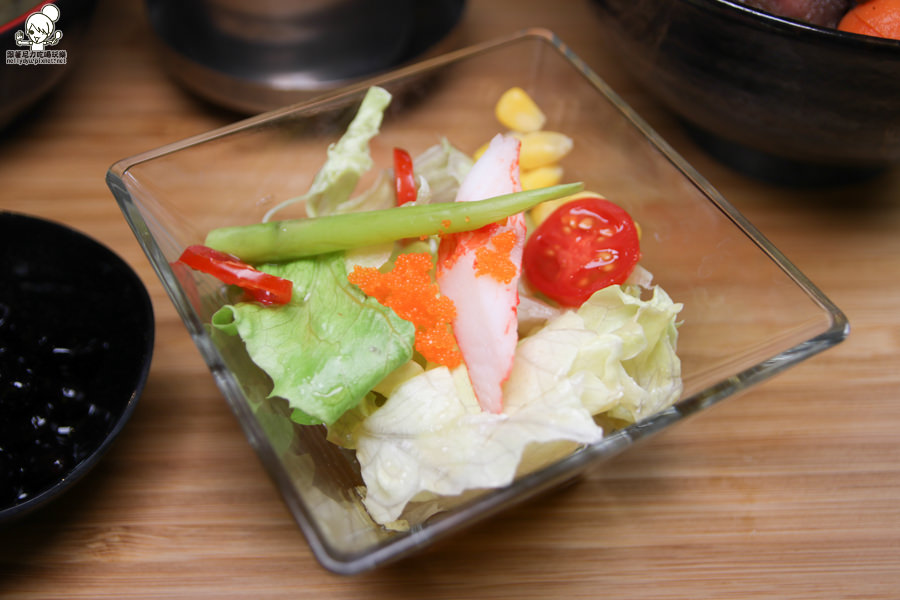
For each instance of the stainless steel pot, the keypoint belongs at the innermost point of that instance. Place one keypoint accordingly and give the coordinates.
(254, 56)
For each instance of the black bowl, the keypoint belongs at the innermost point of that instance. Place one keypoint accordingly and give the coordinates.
(783, 100)
(76, 341)
(22, 84)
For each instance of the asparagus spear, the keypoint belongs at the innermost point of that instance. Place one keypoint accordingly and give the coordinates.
(279, 241)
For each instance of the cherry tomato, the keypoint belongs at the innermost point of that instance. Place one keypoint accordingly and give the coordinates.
(583, 246)
(261, 287)
(404, 179)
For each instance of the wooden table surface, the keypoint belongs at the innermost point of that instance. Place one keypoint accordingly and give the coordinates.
(791, 490)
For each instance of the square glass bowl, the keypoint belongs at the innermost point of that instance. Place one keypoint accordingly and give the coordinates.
(748, 313)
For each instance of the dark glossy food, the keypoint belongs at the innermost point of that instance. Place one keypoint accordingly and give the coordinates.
(76, 336)
(778, 99)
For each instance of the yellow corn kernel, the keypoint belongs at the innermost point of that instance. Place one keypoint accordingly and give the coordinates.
(516, 110)
(533, 179)
(543, 210)
(542, 148)
(540, 212)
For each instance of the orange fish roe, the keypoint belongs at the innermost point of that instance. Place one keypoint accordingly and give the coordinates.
(409, 290)
(455, 245)
(496, 261)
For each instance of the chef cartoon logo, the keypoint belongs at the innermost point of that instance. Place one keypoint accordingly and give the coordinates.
(39, 34)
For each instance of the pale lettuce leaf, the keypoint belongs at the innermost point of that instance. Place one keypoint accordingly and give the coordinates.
(649, 333)
(438, 170)
(441, 169)
(347, 159)
(432, 436)
(614, 355)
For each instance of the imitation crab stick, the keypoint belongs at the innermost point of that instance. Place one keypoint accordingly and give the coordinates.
(479, 271)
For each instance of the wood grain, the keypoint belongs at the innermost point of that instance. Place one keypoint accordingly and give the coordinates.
(788, 491)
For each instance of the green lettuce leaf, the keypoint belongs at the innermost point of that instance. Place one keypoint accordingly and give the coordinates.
(614, 355)
(325, 349)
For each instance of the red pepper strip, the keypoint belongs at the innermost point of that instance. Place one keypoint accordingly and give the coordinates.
(404, 179)
(261, 287)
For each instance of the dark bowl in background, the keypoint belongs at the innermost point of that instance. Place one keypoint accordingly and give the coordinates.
(778, 99)
(21, 86)
(77, 334)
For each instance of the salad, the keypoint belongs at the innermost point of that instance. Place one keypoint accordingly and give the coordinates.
(461, 321)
